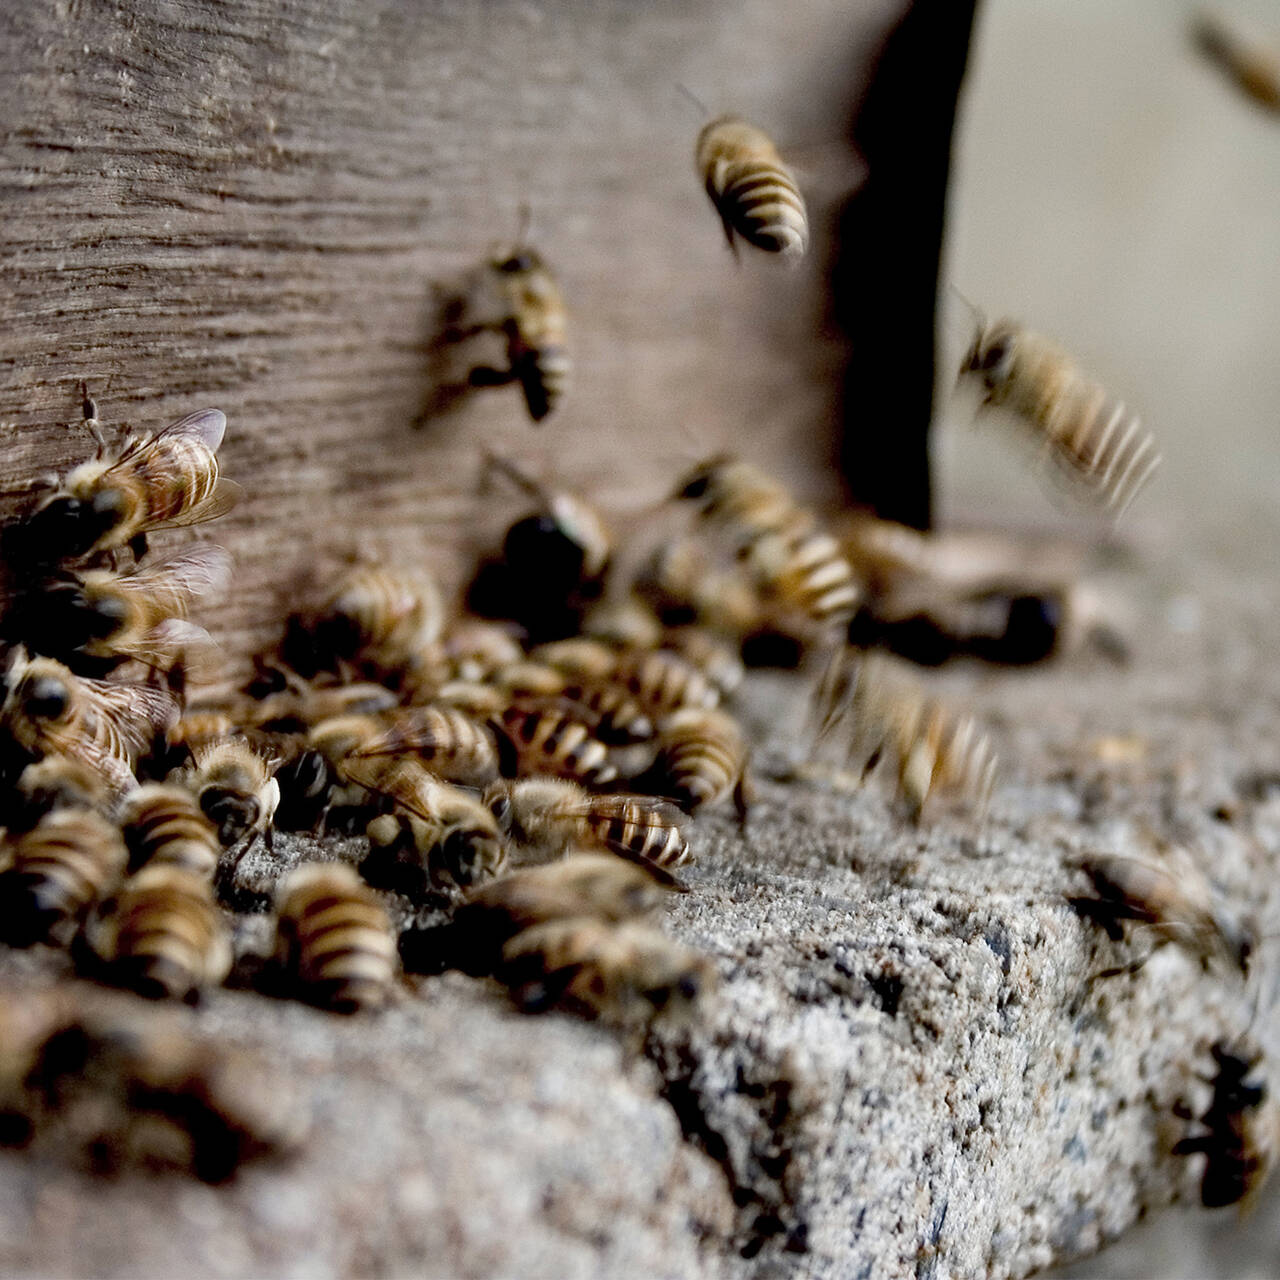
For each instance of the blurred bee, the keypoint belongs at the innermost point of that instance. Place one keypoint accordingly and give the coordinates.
(121, 1085)
(165, 826)
(379, 621)
(116, 499)
(235, 787)
(298, 709)
(49, 711)
(1241, 1130)
(754, 193)
(626, 623)
(548, 817)
(547, 739)
(453, 746)
(566, 679)
(1253, 65)
(878, 710)
(334, 939)
(532, 317)
(687, 583)
(162, 935)
(1092, 437)
(623, 973)
(702, 760)
(57, 870)
(717, 660)
(1170, 903)
(583, 884)
(57, 783)
(99, 618)
(475, 649)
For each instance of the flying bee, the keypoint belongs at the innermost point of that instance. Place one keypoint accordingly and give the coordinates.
(115, 500)
(548, 817)
(103, 618)
(1171, 903)
(754, 193)
(334, 939)
(1241, 1129)
(702, 760)
(57, 783)
(162, 935)
(57, 870)
(453, 746)
(235, 787)
(879, 710)
(624, 973)
(583, 884)
(378, 620)
(1253, 65)
(529, 312)
(49, 711)
(164, 826)
(548, 739)
(1093, 438)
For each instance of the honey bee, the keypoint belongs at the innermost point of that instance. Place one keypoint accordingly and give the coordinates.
(754, 193)
(334, 939)
(120, 1086)
(58, 869)
(800, 570)
(476, 649)
(548, 817)
(583, 884)
(453, 746)
(236, 789)
(299, 709)
(533, 320)
(163, 934)
(537, 739)
(561, 678)
(165, 826)
(626, 622)
(57, 783)
(314, 780)
(1253, 65)
(687, 583)
(378, 620)
(1241, 1130)
(102, 617)
(878, 710)
(624, 973)
(1171, 903)
(1090, 436)
(49, 711)
(116, 499)
(702, 760)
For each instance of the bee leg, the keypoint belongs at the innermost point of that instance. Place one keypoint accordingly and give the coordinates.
(744, 794)
(487, 376)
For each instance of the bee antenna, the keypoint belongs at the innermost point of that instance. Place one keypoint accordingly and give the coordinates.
(693, 97)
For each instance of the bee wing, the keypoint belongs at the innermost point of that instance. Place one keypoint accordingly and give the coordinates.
(197, 571)
(643, 811)
(206, 425)
(223, 497)
(132, 714)
(172, 641)
(401, 739)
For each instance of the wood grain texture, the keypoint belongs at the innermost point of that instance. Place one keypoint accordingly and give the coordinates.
(247, 204)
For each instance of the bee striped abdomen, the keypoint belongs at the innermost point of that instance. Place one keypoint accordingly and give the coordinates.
(550, 741)
(178, 477)
(703, 758)
(164, 826)
(638, 833)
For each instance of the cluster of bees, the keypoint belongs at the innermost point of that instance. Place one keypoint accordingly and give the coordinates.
(528, 767)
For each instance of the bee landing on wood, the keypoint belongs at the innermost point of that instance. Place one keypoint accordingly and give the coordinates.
(754, 193)
(1241, 1129)
(1093, 438)
(115, 500)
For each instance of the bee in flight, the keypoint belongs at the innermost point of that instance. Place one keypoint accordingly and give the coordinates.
(121, 495)
(1093, 438)
(754, 193)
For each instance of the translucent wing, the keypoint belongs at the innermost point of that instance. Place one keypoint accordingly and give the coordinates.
(225, 495)
(130, 714)
(206, 425)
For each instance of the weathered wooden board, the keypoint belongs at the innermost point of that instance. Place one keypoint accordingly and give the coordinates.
(247, 204)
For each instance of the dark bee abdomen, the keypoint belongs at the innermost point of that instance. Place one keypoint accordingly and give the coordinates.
(544, 375)
(761, 202)
(634, 832)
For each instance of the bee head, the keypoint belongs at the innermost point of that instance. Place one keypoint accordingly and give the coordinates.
(459, 855)
(992, 356)
(44, 697)
(232, 812)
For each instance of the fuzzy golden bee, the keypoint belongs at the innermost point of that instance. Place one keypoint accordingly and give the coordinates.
(162, 935)
(333, 939)
(163, 825)
(552, 740)
(702, 760)
(1091, 437)
(1170, 902)
(1252, 64)
(49, 711)
(1241, 1129)
(235, 787)
(115, 500)
(548, 817)
(754, 193)
(876, 709)
(450, 743)
(625, 973)
(105, 617)
(532, 317)
(56, 871)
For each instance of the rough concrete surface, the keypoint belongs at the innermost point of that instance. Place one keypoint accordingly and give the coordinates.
(905, 1072)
